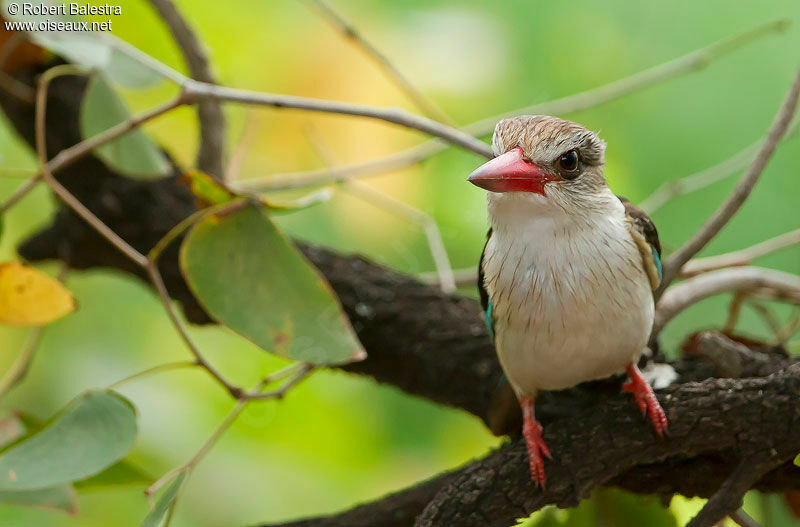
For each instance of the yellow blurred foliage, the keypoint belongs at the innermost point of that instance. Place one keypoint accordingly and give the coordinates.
(28, 297)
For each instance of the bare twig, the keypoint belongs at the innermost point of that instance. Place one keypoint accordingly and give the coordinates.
(728, 498)
(299, 371)
(687, 293)
(251, 126)
(65, 195)
(349, 31)
(734, 202)
(693, 61)
(769, 318)
(23, 362)
(198, 91)
(461, 277)
(735, 310)
(158, 283)
(15, 88)
(444, 270)
(209, 112)
(741, 257)
(20, 193)
(167, 366)
(743, 519)
(707, 177)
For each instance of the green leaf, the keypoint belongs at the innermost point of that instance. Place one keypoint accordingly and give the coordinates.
(132, 154)
(59, 497)
(119, 474)
(797, 460)
(164, 503)
(96, 430)
(313, 198)
(126, 71)
(207, 190)
(249, 277)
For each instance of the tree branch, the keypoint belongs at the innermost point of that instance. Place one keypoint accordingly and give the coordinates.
(209, 112)
(693, 61)
(731, 206)
(693, 290)
(350, 32)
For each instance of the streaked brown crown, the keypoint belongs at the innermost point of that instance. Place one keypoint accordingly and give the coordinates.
(544, 138)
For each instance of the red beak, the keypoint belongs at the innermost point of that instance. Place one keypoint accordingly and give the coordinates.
(510, 172)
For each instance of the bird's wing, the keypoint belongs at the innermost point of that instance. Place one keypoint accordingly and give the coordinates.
(645, 235)
(486, 304)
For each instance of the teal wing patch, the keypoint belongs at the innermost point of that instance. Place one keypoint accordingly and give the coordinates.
(489, 324)
(657, 261)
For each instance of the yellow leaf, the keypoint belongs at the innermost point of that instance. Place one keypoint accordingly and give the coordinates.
(28, 297)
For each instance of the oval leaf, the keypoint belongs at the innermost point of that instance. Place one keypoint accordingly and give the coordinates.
(249, 277)
(164, 503)
(132, 154)
(95, 431)
(58, 497)
(28, 297)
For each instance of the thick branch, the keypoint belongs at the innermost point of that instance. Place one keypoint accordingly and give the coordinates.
(730, 418)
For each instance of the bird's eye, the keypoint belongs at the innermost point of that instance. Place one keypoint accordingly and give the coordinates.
(568, 163)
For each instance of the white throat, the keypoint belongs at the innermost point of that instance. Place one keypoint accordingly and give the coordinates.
(571, 301)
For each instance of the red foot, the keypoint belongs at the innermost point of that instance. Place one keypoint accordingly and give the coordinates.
(532, 431)
(646, 399)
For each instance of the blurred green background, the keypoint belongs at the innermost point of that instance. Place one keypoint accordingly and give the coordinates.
(337, 440)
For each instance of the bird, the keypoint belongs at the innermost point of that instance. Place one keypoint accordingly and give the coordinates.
(567, 275)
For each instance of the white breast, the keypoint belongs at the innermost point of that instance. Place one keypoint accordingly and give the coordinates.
(571, 301)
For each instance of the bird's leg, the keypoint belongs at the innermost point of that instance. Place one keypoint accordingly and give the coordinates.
(532, 431)
(645, 398)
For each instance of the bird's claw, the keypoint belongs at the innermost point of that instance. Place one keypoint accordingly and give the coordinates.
(646, 399)
(537, 448)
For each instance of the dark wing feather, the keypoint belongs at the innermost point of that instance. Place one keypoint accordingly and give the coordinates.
(486, 304)
(646, 236)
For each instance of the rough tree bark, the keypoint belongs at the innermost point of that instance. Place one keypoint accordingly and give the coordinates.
(435, 345)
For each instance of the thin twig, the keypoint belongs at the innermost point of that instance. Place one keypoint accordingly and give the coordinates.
(209, 112)
(15, 88)
(741, 257)
(691, 62)
(735, 311)
(198, 91)
(786, 332)
(22, 363)
(707, 177)
(350, 32)
(743, 519)
(687, 293)
(163, 295)
(17, 372)
(769, 318)
(65, 195)
(441, 261)
(461, 277)
(251, 126)
(728, 498)
(168, 366)
(20, 193)
(12, 86)
(734, 202)
(300, 371)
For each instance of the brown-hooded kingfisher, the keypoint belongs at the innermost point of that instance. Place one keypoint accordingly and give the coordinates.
(568, 271)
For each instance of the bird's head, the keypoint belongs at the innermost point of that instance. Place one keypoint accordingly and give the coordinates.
(546, 161)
